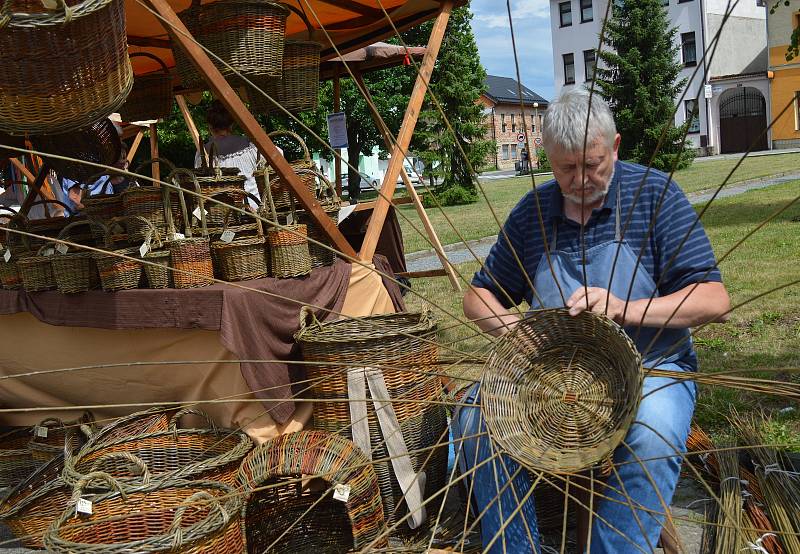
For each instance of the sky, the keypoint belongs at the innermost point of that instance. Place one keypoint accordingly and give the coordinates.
(532, 33)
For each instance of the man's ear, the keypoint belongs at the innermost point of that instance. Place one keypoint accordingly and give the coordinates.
(617, 141)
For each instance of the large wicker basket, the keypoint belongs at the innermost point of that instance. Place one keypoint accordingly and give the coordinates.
(583, 372)
(63, 69)
(137, 423)
(281, 514)
(189, 517)
(151, 96)
(248, 35)
(401, 346)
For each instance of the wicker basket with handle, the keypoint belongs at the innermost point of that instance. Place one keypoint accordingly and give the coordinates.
(241, 259)
(121, 269)
(282, 195)
(36, 271)
(322, 250)
(289, 255)
(151, 95)
(16, 460)
(74, 270)
(149, 201)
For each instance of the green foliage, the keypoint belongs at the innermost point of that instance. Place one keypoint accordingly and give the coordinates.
(639, 78)
(544, 163)
(451, 196)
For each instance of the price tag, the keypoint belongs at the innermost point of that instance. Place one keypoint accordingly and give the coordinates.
(289, 219)
(341, 492)
(144, 249)
(179, 236)
(41, 432)
(83, 506)
(50, 4)
(227, 236)
(7, 255)
(48, 252)
(62, 248)
(196, 212)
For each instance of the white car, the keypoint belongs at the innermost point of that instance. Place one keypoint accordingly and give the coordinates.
(413, 176)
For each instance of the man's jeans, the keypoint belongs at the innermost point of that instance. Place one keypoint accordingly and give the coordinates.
(646, 470)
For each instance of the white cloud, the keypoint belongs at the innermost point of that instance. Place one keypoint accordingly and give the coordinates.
(496, 17)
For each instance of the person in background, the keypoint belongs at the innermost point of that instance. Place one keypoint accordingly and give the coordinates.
(115, 184)
(230, 149)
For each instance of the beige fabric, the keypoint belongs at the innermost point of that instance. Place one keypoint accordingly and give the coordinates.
(28, 345)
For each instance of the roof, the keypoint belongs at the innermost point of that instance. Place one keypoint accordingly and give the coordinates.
(506, 90)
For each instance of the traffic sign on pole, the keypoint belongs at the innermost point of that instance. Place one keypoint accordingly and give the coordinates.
(520, 137)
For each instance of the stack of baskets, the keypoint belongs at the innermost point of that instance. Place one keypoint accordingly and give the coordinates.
(401, 346)
(289, 255)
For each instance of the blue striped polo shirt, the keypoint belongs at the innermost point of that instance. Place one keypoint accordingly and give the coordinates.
(672, 260)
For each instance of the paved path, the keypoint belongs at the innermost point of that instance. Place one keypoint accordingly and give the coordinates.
(457, 253)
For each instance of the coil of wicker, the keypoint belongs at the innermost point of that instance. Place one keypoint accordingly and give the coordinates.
(149, 201)
(97, 143)
(51, 436)
(322, 251)
(151, 95)
(92, 76)
(289, 255)
(74, 269)
(281, 192)
(16, 460)
(190, 256)
(581, 371)
(121, 269)
(210, 453)
(241, 259)
(248, 35)
(280, 514)
(174, 515)
(402, 346)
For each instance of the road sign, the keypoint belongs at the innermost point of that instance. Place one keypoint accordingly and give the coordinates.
(520, 137)
(537, 141)
(708, 91)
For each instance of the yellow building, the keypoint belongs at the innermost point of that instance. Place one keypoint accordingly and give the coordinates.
(785, 85)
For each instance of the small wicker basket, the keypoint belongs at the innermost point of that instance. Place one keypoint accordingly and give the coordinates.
(241, 259)
(149, 202)
(121, 269)
(289, 255)
(36, 271)
(322, 251)
(75, 271)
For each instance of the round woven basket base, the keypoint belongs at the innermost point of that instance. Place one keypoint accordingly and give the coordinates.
(560, 392)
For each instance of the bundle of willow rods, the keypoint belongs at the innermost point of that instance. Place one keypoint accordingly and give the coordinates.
(771, 387)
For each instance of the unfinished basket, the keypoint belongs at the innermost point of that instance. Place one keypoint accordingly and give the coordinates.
(281, 192)
(16, 460)
(190, 517)
(322, 251)
(241, 259)
(247, 34)
(74, 269)
(286, 515)
(211, 453)
(402, 346)
(582, 371)
(151, 95)
(98, 143)
(63, 68)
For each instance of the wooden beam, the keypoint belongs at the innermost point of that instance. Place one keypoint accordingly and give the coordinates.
(406, 132)
(363, 206)
(355, 7)
(150, 42)
(187, 117)
(35, 189)
(135, 146)
(22, 169)
(156, 167)
(225, 94)
(337, 107)
(413, 196)
(441, 272)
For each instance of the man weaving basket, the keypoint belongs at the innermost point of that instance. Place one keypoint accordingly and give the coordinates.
(601, 232)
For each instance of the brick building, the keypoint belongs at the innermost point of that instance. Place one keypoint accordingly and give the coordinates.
(504, 119)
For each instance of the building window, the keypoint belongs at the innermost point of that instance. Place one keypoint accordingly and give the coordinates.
(588, 64)
(505, 151)
(688, 49)
(682, 1)
(513, 124)
(692, 115)
(565, 13)
(503, 122)
(569, 69)
(586, 11)
(513, 151)
(533, 123)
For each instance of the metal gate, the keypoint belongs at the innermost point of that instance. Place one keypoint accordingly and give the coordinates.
(743, 121)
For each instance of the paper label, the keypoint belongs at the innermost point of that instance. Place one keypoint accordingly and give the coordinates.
(62, 248)
(7, 255)
(144, 249)
(341, 492)
(179, 236)
(83, 506)
(48, 252)
(289, 219)
(41, 432)
(196, 212)
(227, 236)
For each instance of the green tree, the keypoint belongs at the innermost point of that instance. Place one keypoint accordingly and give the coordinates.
(639, 77)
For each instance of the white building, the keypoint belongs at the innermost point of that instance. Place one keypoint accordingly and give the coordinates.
(739, 62)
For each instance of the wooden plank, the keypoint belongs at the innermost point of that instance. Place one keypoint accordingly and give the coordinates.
(154, 152)
(362, 206)
(406, 132)
(187, 117)
(225, 94)
(150, 42)
(135, 146)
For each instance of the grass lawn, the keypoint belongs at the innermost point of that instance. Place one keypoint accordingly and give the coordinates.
(762, 336)
(476, 221)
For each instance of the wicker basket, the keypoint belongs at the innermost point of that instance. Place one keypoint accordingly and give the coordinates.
(189, 256)
(241, 259)
(190, 517)
(36, 271)
(63, 69)
(323, 252)
(247, 34)
(149, 202)
(298, 89)
(16, 460)
(401, 346)
(289, 255)
(49, 226)
(102, 207)
(159, 276)
(138, 423)
(151, 96)
(281, 192)
(120, 269)
(75, 271)
(17, 246)
(284, 516)
(224, 185)
(212, 453)
(51, 436)
(581, 371)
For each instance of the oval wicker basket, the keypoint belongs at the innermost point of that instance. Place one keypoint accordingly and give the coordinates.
(189, 517)
(63, 69)
(560, 392)
(138, 423)
(282, 515)
(151, 95)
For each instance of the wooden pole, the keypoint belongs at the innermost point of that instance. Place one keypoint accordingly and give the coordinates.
(423, 215)
(154, 152)
(35, 189)
(337, 106)
(225, 94)
(135, 146)
(187, 117)
(406, 131)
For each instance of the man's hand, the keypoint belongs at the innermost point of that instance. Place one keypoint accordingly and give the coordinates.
(597, 300)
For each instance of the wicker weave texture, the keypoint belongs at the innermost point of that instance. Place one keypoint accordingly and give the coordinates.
(151, 95)
(59, 73)
(332, 525)
(159, 276)
(16, 460)
(98, 143)
(36, 272)
(560, 392)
